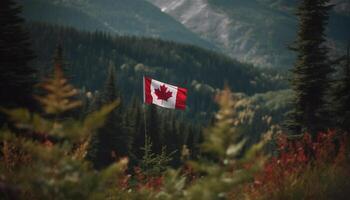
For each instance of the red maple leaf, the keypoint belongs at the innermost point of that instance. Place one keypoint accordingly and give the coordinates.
(163, 93)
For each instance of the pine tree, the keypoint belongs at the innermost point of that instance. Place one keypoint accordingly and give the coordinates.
(152, 128)
(138, 132)
(171, 132)
(342, 97)
(111, 142)
(60, 94)
(152, 164)
(190, 140)
(16, 75)
(134, 126)
(58, 58)
(310, 80)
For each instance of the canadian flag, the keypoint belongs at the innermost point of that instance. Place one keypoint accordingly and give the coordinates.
(163, 94)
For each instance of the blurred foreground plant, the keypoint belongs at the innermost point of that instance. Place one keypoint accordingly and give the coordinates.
(306, 169)
(44, 159)
(225, 164)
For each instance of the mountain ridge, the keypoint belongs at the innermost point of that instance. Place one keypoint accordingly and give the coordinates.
(136, 17)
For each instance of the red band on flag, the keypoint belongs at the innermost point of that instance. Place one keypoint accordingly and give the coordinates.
(147, 90)
(181, 98)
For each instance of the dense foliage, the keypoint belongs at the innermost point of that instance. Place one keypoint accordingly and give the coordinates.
(16, 73)
(46, 168)
(305, 169)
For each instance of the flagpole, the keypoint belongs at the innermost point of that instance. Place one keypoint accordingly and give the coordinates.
(143, 106)
(144, 118)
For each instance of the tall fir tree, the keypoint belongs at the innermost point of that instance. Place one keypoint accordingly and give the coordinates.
(138, 129)
(16, 75)
(58, 56)
(61, 98)
(152, 129)
(170, 130)
(60, 62)
(111, 141)
(60, 59)
(310, 80)
(342, 96)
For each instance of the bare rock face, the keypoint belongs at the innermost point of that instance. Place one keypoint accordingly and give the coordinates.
(237, 35)
(199, 17)
(252, 31)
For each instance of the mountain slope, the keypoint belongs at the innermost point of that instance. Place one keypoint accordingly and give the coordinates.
(132, 17)
(201, 71)
(254, 31)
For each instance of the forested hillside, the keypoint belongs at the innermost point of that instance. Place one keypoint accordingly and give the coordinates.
(201, 71)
